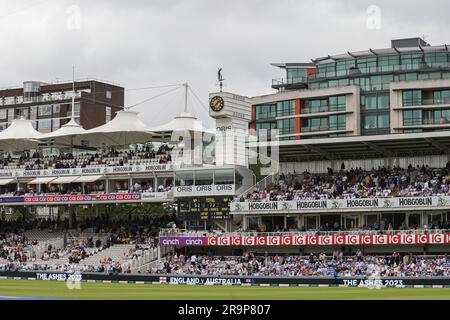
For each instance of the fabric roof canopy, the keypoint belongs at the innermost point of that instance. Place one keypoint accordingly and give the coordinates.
(88, 178)
(4, 182)
(125, 128)
(183, 122)
(20, 135)
(67, 135)
(61, 180)
(42, 180)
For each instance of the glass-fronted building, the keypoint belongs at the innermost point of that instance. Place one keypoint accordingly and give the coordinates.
(401, 89)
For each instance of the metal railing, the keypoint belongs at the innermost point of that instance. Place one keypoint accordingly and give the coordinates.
(192, 233)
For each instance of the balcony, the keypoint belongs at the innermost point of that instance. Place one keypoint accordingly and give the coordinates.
(327, 108)
(292, 82)
(378, 69)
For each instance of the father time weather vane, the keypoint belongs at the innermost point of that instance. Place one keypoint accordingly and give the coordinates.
(220, 78)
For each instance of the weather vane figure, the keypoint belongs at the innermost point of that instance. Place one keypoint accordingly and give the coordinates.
(220, 78)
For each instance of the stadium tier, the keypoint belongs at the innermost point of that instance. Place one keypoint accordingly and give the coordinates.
(344, 171)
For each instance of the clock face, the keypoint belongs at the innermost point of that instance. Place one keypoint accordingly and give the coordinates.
(216, 103)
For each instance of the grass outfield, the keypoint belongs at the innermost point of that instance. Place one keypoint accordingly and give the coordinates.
(89, 290)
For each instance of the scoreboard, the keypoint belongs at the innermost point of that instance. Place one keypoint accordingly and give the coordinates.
(206, 208)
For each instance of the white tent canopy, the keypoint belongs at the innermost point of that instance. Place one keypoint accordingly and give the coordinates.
(181, 123)
(20, 135)
(125, 128)
(68, 135)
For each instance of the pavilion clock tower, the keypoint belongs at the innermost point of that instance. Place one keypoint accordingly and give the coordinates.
(233, 114)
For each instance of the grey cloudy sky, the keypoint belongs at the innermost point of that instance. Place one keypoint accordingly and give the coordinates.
(139, 43)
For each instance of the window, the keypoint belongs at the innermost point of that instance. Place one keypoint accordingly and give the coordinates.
(441, 96)
(337, 122)
(77, 110)
(411, 61)
(285, 108)
(337, 103)
(412, 97)
(56, 109)
(342, 67)
(33, 112)
(45, 110)
(286, 126)
(184, 178)
(2, 114)
(45, 125)
(266, 111)
(388, 63)
(369, 122)
(10, 115)
(22, 113)
(316, 105)
(203, 177)
(383, 121)
(315, 124)
(108, 94)
(224, 176)
(374, 102)
(383, 102)
(295, 75)
(326, 69)
(436, 59)
(108, 114)
(412, 117)
(367, 64)
(56, 124)
(265, 128)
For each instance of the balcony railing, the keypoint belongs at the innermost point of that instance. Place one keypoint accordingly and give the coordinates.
(200, 233)
(377, 69)
(327, 108)
(425, 102)
(291, 80)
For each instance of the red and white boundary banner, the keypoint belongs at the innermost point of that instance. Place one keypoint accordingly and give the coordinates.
(329, 240)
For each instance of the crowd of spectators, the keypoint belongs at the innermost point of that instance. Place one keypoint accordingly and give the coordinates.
(313, 265)
(356, 183)
(110, 157)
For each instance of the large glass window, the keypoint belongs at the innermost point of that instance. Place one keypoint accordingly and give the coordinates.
(224, 176)
(203, 177)
(367, 64)
(412, 97)
(315, 124)
(411, 61)
(441, 96)
(383, 121)
(285, 108)
(266, 111)
(369, 121)
(286, 126)
(326, 69)
(436, 59)
(265, 127)
(342, 67)
(2, 114)
(337, 122)
(184, 178)
(388, 63)
(295, 75)
(412, 117)
(374, 102)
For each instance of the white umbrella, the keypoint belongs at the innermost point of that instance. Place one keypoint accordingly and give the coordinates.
(125, 128)
(20, 135)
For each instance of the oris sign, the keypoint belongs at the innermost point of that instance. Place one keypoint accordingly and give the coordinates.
(207, 190)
